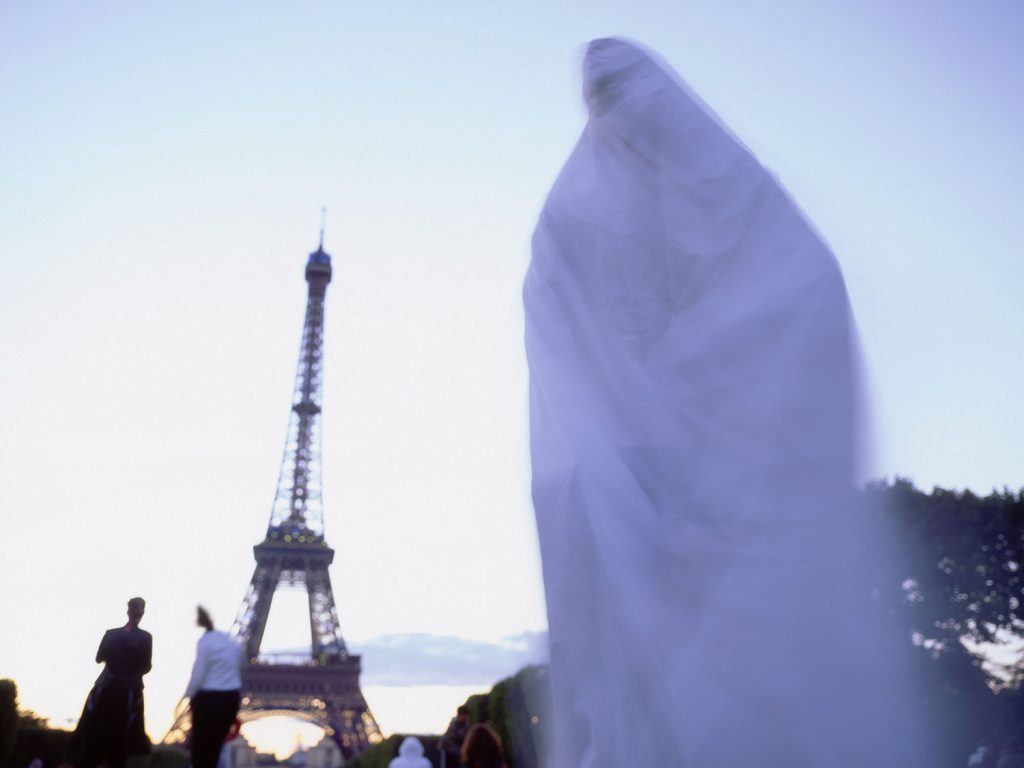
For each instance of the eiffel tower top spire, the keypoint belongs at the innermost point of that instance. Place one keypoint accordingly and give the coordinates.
(297, 514)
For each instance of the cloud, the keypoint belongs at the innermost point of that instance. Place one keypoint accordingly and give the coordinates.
(425, 659)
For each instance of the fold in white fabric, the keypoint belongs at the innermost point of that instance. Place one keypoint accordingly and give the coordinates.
(694, 426)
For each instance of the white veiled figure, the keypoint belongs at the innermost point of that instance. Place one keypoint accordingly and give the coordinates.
(693, 402)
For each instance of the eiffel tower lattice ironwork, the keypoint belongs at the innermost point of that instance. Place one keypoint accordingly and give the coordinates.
(323, 687)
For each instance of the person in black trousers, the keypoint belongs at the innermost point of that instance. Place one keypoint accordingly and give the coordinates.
(213, 691)
(112, 723)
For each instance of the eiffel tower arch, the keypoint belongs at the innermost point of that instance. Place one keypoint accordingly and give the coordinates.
(323, 687)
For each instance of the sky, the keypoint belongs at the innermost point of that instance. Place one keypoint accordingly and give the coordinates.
(162, 173)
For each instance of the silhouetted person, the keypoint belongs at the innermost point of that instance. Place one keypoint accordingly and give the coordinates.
(112, 723)
(482, 748)
(213, 690)
(451, 742)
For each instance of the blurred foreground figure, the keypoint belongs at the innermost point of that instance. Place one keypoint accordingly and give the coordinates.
(694, 424)
(112, 724)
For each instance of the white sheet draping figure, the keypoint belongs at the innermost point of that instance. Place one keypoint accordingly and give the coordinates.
(693, 406)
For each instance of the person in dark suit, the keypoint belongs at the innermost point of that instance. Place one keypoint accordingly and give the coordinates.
(451, 742)
(112, 723)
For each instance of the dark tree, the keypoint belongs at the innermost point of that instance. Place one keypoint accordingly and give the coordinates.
(953, 582)
(8, 718)
(961, 576)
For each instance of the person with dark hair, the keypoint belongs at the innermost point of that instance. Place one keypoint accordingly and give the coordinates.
(213, 691)
(112, 723)
(482, 748)
(451, 742)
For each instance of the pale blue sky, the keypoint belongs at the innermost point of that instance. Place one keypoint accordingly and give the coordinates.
(163, 170)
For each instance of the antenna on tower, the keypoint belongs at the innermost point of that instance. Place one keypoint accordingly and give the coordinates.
(323, 217)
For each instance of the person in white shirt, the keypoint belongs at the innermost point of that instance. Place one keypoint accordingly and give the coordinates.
(213, 691)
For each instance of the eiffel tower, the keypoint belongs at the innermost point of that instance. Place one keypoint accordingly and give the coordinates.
(323, 687)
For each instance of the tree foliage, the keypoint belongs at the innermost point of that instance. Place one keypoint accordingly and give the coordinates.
(8, 718)
(953, 587)
(962, 567)
(519, 710)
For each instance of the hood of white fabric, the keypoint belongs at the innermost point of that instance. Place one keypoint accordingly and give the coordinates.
(411, 747)
(654, 158)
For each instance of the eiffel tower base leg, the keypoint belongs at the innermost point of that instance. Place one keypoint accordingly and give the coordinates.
(327, 695)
